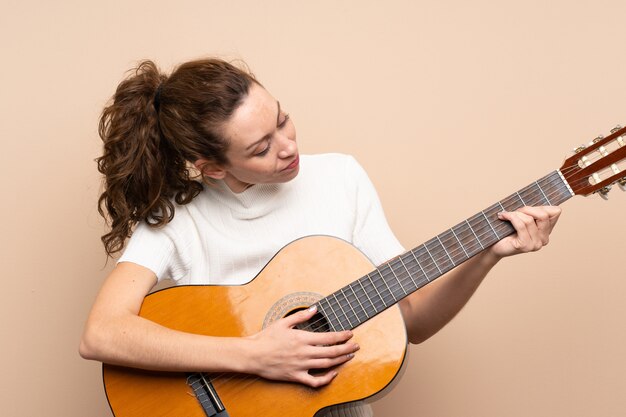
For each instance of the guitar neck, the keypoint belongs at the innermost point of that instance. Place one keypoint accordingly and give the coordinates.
(390, 282)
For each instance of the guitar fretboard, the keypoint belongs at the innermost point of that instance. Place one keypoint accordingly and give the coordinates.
(383, 287)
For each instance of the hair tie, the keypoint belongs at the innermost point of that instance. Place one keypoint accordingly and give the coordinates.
(157, 98)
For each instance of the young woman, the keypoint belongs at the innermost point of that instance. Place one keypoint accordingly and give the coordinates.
(256, 195)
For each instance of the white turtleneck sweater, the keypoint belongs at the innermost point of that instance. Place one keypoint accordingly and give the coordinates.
(226, 238)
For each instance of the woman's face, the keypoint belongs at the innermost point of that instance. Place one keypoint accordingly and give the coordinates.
(262, 143)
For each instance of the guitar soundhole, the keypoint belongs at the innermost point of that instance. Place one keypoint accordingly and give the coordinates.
(292, 303)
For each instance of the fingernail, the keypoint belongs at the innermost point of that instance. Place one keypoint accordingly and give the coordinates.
(500, 215)
(357, 347)
(350, 355)
(312, 308)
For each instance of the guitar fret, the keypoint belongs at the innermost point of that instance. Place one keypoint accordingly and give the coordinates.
(358, 299)
(368, 297)
(490, 225)
(544, 194)
(328, 318)
(511, 203)
(382, 278)
(420, 265)
(349, 305)
(361, 298)
(427, 262)
(411, 266)
(376, 289)
(408, 272)
(460, 244)
(397, 279)
(521, 199)
(501, 228)
(368, 282)
(415, 270)
(480, 223)
(431, 257)
(441, 254)
(467, 238)
(532, 196)
(453, 248)
(477, 239)
(343, 314)
(445, 250)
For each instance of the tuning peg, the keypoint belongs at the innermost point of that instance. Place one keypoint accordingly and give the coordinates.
(580, 149)
(597, 139)
(616, 128)
(622, 183)
(604, 192)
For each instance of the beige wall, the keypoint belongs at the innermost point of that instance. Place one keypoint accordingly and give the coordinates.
(449, 105)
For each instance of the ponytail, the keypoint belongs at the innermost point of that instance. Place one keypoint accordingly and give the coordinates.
(142, 172)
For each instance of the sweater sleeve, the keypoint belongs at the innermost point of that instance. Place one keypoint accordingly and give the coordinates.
(157, 250)
(372, 234)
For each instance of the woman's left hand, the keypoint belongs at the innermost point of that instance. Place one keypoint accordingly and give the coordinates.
(533, 226)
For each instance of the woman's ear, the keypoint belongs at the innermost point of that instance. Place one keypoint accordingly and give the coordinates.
(210, 169)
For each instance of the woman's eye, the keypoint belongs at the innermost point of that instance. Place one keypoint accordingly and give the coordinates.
(264, 151)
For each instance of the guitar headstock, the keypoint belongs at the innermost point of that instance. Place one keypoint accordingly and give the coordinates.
(595, 168)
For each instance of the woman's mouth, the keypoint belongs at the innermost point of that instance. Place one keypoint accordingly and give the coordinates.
(293, 164)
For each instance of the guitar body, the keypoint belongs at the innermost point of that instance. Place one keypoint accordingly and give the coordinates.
(299, 275)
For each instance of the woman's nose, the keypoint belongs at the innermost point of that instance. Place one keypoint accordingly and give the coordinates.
(288, 147)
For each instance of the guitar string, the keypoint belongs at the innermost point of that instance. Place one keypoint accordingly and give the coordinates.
(405, 271)
(595, 157)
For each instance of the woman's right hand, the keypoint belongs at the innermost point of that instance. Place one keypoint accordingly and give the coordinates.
(282, 352)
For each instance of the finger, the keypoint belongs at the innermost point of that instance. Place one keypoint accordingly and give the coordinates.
(300, 316)
(538, 226)
(328, 338)
(326, 363)
(546, 218)
(543, 222)
(554, 212)
(317, 380)
(333, 351)
(521, 223)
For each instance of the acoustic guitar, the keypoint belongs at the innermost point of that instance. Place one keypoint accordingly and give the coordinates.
(349, 292)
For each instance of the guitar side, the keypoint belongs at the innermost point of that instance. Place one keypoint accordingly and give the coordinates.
(301, 273)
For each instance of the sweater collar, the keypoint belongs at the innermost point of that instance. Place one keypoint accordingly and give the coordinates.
(255, 201)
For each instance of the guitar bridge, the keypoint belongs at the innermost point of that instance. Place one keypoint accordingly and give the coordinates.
(206, 395)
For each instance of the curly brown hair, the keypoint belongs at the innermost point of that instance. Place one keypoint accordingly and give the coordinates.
(148, 143)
